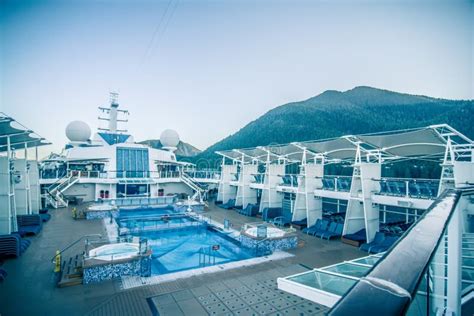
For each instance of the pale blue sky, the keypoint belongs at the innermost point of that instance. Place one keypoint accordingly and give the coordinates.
(214, 66)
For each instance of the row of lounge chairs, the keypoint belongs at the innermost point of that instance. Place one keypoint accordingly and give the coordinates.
(325, 229)
(30, 224)
(13, 245)
(227, 206)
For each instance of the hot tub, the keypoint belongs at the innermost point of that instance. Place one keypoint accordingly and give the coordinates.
(272, 232)
(265, 238)
(114, 261)
(114, 251)
(99, 211)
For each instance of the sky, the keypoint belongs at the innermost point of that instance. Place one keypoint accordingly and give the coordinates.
(207, 68)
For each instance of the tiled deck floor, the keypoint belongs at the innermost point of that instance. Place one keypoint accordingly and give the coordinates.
(29, 288)
(248, 295)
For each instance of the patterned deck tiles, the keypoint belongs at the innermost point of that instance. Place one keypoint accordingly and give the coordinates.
(244, 295)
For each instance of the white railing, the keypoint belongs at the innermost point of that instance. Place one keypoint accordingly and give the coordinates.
(203, 174)
(134, 201)
(408, 187)
(113, 174)
(337, 183)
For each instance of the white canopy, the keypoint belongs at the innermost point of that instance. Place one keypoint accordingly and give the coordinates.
(421, 142)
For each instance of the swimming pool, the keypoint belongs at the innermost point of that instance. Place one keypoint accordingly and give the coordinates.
(192, 248)
(179, 241)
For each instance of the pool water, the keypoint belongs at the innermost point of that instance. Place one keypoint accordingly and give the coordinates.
(192, 248)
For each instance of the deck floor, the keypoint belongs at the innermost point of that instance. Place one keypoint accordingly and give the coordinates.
(30, 290)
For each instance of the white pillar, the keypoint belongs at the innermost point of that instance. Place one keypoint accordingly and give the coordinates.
(270, 196)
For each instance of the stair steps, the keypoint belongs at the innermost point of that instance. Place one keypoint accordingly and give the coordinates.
(71, 271)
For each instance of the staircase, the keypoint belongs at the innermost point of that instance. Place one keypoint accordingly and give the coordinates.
(199, 191)
(55, 196)
(71, 271)
(72, 267)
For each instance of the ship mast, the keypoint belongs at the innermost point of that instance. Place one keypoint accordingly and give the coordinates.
(113, 113)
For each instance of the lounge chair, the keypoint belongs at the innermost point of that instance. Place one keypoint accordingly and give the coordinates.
(378, 239)
(270, 213)
(355, 239)
(384, 245)
(249, 210)
(316, 225)
(322, 228)
(281, 221)
(331, 228)
(230, 204)
(10, 245)
(336, 233)
(29, 224)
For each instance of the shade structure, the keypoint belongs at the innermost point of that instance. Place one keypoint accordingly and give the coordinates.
(17, 135)
(420, 142)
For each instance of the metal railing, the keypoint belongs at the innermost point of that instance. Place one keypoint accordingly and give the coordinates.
(161, 223)
(141, 201)
(124, 174)
(337, 183)
(203, 174)
(69, 246)
(405, 187)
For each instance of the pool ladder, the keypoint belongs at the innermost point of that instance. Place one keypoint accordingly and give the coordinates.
(206, 256)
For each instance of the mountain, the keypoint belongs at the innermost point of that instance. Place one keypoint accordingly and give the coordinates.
(184, 150)
(335, 113)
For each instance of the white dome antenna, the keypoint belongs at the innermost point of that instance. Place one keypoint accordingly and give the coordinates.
(169, 139)
(78, 131)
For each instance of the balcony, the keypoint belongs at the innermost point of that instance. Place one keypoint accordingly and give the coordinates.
(337, 183)
(414, 188)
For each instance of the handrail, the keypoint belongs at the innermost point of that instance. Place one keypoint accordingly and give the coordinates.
(392, 283)
(73, 243)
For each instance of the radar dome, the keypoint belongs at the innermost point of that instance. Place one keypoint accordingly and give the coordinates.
(169, 138)
(78, 131)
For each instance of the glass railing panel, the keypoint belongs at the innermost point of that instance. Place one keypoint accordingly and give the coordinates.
(368, 260)
(334, 284)
(349, 269)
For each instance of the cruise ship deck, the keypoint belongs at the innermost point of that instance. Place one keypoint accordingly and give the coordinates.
(306, 228)
(181, 297)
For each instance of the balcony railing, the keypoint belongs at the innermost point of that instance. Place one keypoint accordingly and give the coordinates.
(414, 188)
(337, 183)
(58, 174)
(204, 174)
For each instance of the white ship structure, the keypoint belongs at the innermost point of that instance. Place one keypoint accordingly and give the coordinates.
(112, 167)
